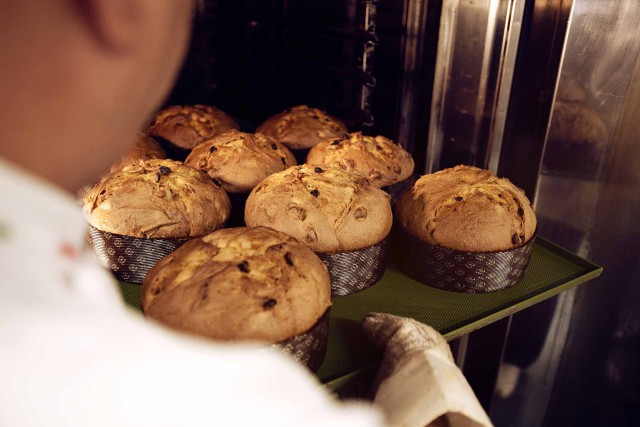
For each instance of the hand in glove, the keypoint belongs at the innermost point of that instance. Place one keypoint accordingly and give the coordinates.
(418, 383)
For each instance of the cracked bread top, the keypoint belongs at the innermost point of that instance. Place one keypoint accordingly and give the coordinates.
(144, 148)
(188, 125)
(240, 160)
(329, 209)
(467, 209)
(377, 158)
(302, 127)
(157, 199)
(239, 284)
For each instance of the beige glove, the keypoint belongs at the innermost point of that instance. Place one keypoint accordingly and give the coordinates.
(418, 384)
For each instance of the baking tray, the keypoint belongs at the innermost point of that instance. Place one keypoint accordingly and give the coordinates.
(551, 270)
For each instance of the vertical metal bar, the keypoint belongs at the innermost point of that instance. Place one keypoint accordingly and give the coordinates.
(446, 41)
(485, 353)
(476, 57)
(413, 21)
(489, 37)
(367, 57)
(509, 50)
(533, 85)
(553, 101)
(461, 350)
(350, 49)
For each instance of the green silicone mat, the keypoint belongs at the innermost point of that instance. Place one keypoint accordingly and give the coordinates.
(552, 270)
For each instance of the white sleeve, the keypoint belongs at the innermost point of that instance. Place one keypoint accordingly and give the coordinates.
(73, 366)
(72, 355)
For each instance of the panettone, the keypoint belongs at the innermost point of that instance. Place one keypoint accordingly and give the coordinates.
(377, 158)
(338, 213)
(186, 126)
(465, 230)
(157, 199)
(239, 160)
(144, 148)
(239, 284)
(302, 127)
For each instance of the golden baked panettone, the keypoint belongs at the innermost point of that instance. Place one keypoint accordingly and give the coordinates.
(467, 209)
(327, 208)
(186, 126)
(157, 199)
(240, 160)
(239, 284)
(302, 127)
(144, 148)
(377, 158)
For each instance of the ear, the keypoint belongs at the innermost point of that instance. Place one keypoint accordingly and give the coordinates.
(117, 25)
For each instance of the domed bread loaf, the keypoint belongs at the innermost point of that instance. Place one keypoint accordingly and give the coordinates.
(377, 158)
(302, 127)
(239, 160)
(329, 209)
(144, 148)
(157, 199)
(239, 284)
(186, 126)
(467, 209)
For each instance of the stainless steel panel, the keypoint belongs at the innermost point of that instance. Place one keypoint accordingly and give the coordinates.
(535, 79)
(587, 200)
(598, 85)
(475, 62)
(414, 23)
(595, 125)
(511, 22)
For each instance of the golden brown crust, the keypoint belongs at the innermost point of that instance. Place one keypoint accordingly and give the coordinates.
(144, 148)
(302, 127)
(377, 158)
(467, 209)
(186, 126)
(328, 209)
(157, 199)
(239, 284)
(239, 160)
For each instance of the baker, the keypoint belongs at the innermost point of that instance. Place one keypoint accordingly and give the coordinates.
(78, 78)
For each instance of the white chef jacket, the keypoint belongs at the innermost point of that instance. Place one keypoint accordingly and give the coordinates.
(71, 354)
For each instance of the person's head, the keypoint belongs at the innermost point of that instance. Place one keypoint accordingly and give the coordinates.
(79, 77)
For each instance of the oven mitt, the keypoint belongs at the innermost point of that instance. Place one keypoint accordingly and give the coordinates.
(418, 383)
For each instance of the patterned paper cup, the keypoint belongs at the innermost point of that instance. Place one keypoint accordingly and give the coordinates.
(458, 271)
(129, 258)
(355, 271)
(396, 189)
(309, 348)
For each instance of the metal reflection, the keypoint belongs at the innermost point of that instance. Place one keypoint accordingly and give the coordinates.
(474, 68)
(587, 201)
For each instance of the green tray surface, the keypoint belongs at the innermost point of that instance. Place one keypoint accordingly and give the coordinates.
(551, 270)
